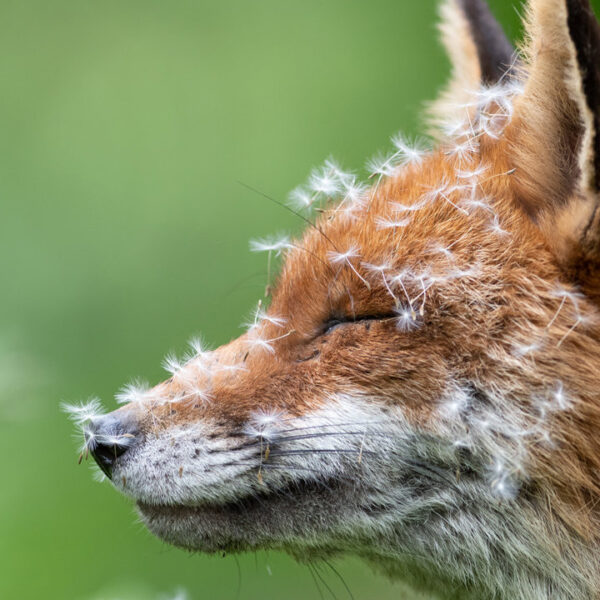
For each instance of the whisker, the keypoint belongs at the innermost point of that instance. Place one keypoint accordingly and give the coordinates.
(430, 471)
(287, 467)
(307, 436)
(333, 424)
(310, 568)
(323, 451)
(338, 575)
(282, 205)
(327, 587)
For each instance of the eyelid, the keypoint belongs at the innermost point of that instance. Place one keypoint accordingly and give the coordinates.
(334, 323)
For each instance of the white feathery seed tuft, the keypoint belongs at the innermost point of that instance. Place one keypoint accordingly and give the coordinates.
(136, 391)
(385, 223)
(199, 347)
(276, 243)
(406, 319)
(84, 412)
(172, 364)
(265, 423)
(337, 258)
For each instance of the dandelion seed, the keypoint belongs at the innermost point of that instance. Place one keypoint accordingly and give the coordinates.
(405, 153)
(340, 258)
(381, 165)
(172, 364)
(500, 95)
(491, 126)
(496, 228)
(384, 223)
(457, 403)
(462, 151)
(136, 391)
(275, 244)
(325, 180)
(232, 368)
(355, 192)
(400, 208)
(457, 128)
(443, 250)
(256, 340)
(521, 350)
(343, 177)
(199, 347)
(354, 197)
(564, 294)
(443, 191)
(84, 412)
(502, 482)
(472, 173)
(261, 315)
(408, 152)
(424, 293)
(560, 399)
(197, 393)
(107, 439)
(264, 425)
(267, 419)
(568, 333)
(381, 269)
(475, 202)
(406, 319)
(399, 278)
(300, 199)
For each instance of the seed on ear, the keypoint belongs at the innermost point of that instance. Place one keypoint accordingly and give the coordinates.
(180, 471)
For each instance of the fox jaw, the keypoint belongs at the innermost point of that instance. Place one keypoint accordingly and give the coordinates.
(422, 390)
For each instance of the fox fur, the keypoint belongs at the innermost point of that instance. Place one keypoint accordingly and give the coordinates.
(423, 389)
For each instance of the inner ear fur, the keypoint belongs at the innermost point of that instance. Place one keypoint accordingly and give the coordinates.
(479, 52)
(585, 33)
(553, 136)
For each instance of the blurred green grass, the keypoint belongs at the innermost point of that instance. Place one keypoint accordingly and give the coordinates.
(126, 127)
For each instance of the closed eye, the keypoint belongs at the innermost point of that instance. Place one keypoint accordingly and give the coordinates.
(337, 322)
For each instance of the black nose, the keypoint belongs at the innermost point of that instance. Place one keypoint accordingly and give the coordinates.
(109, 437)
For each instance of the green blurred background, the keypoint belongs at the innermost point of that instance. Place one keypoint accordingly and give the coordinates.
(125, 128)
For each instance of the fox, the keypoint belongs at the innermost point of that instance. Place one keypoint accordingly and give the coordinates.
(420, 386)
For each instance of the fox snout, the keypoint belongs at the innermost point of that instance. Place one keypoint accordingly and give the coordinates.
(108, 437)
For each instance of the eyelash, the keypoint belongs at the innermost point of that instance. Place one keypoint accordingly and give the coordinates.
(333, 324)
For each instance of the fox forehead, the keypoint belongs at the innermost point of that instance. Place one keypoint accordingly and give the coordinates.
(423, 225)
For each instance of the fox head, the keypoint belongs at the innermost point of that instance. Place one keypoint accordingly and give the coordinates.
(422, 390)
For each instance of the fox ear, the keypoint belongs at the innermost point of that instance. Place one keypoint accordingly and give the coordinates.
(480, 54)
(553, 137)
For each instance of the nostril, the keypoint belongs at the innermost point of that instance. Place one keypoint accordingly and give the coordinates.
(108, 438)
(106, 455)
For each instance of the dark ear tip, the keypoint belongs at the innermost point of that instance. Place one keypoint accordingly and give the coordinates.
(495, 52)
(584, 30)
